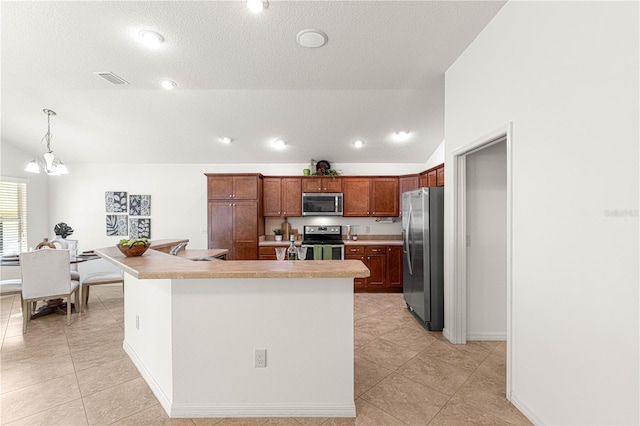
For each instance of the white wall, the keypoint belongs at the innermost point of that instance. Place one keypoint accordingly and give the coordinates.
(487, 247)
(436, 158)
(566, 75)
(178, 196)
(12, 163)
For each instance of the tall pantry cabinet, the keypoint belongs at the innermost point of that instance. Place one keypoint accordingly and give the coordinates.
(234, 214)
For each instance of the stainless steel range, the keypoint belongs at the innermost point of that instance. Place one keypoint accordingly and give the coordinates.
(323, 236)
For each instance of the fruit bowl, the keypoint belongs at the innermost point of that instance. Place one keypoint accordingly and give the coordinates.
(133, 248)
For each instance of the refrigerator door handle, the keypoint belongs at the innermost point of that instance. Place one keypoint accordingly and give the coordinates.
(407, 243)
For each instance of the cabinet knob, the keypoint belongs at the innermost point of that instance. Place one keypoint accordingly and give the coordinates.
(230, 205)
(230, 195)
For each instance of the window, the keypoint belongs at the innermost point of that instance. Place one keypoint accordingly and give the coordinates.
(13, 215)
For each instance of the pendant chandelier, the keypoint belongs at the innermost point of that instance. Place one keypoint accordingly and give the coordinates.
(49, 163)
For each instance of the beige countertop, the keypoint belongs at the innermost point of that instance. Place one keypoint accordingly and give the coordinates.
(359, 242)
(157, 265)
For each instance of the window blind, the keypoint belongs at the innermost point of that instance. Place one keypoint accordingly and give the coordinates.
(13, 216)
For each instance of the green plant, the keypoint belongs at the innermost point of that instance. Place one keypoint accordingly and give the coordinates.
(63, 230)
(133, 242)
(332, 173)
(277, 231)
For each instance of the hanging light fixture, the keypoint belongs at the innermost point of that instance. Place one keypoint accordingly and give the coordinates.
(50, 164)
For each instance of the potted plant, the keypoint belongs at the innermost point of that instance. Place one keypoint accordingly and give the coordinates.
(62, 231)
(278, 234)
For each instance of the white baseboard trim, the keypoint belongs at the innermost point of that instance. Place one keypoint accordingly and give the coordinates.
(487, 336)
(446, 334)
(236, 410)
(524, 409)
(165, 401)
(262, 410)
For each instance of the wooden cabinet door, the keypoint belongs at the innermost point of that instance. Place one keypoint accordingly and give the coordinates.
(245, 230)
(440, 176)
(220, 187)
(312, 184)
(356, 253)
(291, 197)
(356, 196)
(245, 187)
(221, 226)
(394, 266)
(384, 197)
(267, 253)
(432, 178)
(424, 179)
(331, 184)
(376, 261)
(407, 183)
(272, 197)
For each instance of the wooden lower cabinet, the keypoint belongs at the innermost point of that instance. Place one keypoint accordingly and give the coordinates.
(377, 264)
(394, 267)
(385, 266)
(356, 253)
(234, 226)
(267, 253)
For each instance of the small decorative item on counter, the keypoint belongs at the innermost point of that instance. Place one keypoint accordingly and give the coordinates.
(133, 247)
(355, 237)
(286, 229)
(278, 234)
(306, 172)
(291, 251)
(45, 244)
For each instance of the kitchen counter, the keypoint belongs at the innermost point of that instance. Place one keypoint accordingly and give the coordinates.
(193, 330)
(396, 241)
(154, 265)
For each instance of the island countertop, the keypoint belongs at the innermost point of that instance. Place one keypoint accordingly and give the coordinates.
(158, 265)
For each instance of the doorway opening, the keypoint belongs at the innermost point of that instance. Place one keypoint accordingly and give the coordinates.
(471, 237)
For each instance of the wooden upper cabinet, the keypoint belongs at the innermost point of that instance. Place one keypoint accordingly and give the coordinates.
(384, 197)
(432, 178)
(375, 196)
(356, 196)
(321, 184)
(239, 187)
(440, 176)
(272, 196)
(407, 183)
(291, 197)
(282, 197)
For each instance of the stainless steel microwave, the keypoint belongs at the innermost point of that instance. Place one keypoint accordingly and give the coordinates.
(322, 203)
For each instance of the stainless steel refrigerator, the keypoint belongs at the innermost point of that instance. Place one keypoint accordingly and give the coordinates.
(423, 264)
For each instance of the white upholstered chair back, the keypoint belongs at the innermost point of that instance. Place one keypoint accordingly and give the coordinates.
(45, 273)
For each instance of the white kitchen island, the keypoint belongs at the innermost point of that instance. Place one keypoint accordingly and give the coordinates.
(192, 329)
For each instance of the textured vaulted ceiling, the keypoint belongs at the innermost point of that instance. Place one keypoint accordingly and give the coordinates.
(239, 75)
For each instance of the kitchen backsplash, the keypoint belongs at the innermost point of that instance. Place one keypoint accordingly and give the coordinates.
(362, 226)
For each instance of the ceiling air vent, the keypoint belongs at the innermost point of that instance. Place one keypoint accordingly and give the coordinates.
(111, 77)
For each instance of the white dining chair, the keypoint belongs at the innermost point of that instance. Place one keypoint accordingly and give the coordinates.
(46, 275)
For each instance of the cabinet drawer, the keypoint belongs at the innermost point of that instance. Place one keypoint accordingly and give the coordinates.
(374, 250)
(267, 253)
(349, 249)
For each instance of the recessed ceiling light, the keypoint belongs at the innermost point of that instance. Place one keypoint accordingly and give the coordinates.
(358, 144)
(168, 84)
(278, 144)
(150, 38)
(312, 38)
(401, 136)
(257, 6)
(225, 140)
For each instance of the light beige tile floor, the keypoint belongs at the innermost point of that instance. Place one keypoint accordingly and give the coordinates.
(79, 375)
